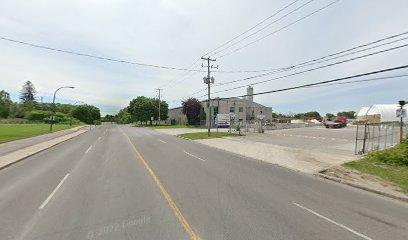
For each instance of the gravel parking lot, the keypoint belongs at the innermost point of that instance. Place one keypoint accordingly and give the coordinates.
(310, 150)
(336, 141)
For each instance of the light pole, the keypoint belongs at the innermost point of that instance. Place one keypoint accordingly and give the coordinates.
(401, 103)
(53, 106)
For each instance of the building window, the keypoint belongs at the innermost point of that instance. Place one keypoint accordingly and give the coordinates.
(215, 111)
(241, 109)
(232, 109)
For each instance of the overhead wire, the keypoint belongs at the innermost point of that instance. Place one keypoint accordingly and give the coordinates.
(263, 28)
(322, 59)
(97, 57)
(313, 69)
(324, 82)
(280, 29)
(253, 27)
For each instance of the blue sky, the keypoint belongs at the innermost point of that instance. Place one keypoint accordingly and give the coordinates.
(176, 33)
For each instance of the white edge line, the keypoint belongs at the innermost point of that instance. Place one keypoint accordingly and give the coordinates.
(162, 141)
(193, 156)
(334, 222)
(53, 192)
(87, 150)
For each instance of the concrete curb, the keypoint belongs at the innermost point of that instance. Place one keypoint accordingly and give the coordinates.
(339, 180)
(184, 138)
(26, 152)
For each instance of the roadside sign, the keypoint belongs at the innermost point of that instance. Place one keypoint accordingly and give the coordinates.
(223, 120)
(151, 118)
(260, 116)
(401, 113)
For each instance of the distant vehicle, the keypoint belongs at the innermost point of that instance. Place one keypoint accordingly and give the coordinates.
(335, 122)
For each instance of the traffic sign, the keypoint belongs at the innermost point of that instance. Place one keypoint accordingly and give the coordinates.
(401, 113)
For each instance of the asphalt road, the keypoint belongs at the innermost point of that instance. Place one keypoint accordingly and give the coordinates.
(121, 182)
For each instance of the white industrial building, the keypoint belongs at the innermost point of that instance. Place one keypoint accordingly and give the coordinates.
(244, 109)
(380, 113)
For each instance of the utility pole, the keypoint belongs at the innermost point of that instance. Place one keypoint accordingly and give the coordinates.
(158, 89)
(401, 103)
(208, 80)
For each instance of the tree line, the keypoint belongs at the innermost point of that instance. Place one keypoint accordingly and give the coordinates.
(314, 114)
(141, 109)
(28, 109)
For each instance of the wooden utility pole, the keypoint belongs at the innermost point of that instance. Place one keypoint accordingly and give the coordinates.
(159, 103)
(208, 80)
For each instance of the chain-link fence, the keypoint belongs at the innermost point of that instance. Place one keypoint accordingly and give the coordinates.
(373, 137)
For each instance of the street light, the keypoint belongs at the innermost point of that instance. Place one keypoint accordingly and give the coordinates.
(53, 106)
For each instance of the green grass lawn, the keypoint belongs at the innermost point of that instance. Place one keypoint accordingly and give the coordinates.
(202, 135)
(390, 164)
(11, 132)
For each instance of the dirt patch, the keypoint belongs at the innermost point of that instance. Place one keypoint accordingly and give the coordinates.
(365, 181)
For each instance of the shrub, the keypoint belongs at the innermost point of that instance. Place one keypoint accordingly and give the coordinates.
(37, 115)
(397, 156)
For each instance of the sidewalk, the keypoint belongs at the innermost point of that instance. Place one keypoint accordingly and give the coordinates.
(12, 146)
(177, 131)
(24, 152)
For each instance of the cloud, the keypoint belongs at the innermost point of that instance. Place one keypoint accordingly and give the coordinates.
(176, 33)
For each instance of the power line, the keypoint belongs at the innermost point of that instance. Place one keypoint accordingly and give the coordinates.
(324, 82)
(97, 57)
(323, 59)
(359, 81)
(248, 30)
(263, 28)
(280, 29)
(313, 69)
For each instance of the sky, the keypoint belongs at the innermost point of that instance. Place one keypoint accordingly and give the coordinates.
(178, 33)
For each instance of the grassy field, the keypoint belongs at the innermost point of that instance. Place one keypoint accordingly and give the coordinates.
(390, 164)
(11, 132)
(203, 135)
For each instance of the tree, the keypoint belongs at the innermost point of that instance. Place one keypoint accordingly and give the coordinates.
(28, 92)
(124, 116)
(164, 109)
(86, 113)
(330, 115)
(349, 114)
(109, 118)
(142, 109)
(192, 109)
(5, 104)
(312, 114)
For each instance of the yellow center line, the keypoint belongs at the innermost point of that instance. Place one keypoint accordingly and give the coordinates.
(177, 212)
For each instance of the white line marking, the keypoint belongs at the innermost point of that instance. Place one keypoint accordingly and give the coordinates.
(335, 223)
(194, 156)
(99, 138)
(53, 192)
(162, 141)
(87, 150)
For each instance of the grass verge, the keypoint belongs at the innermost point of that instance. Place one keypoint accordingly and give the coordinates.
(203, 135)
(390, 164)
(11, 132)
